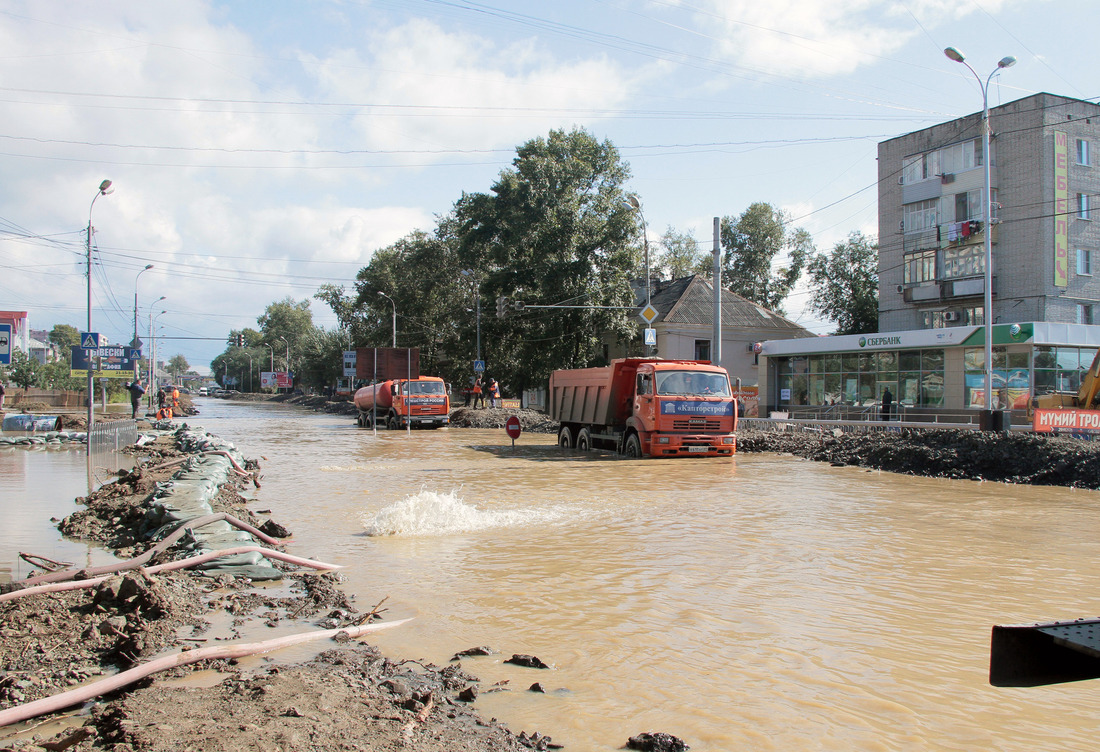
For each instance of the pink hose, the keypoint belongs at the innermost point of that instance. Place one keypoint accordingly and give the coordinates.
(179, 532)
(112, 683)
(58, 587)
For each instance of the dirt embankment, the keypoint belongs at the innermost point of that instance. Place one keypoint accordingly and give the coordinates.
(349, 697)
(972, 455)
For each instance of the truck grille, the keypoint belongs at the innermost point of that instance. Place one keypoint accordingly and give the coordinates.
(696, 425)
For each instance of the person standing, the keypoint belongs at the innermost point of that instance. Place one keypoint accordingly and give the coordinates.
(136, 390)
(1, 396)
(887, 403)
(175, 401)
(494, 393)
(478, 393)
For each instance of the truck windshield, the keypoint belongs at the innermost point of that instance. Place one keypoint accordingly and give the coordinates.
(422, 387)
(693, 383)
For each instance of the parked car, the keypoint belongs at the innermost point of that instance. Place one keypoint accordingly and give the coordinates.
(204, 392)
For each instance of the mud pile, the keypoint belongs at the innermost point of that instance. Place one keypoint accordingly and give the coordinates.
(973, 455)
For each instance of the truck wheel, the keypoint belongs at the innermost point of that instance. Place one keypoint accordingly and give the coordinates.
(393, 425)
(368, 421)
(584, 440)
(633, 448)
(359, 420)
(565, 438)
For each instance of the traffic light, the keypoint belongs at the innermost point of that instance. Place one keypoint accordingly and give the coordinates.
(231, 340)
(519, 305)
(240, 340)
(502, 304)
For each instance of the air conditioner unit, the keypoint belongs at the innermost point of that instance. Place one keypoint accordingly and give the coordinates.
(900, 289)
(947, 177)
(952, 316)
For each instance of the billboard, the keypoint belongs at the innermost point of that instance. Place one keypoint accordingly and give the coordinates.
(276, 380)
(114, 362)
(393, 363)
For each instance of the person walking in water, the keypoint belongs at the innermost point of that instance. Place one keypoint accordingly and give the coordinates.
(136, 390)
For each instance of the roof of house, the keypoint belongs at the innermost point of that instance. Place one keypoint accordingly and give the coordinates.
(690, 300)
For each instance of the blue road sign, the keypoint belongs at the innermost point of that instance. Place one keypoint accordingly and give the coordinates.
(5, 344)
(89, 340)
(479, 366)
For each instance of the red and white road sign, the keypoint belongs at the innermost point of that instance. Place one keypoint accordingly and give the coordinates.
(512, 427)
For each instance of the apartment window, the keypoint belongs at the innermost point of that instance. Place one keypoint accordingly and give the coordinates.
(1084, 262)
(920, 167)
(1084, 313)
(1083, 206)
(964, 261)
(919, 267)
(920, 216)
(1082, 152)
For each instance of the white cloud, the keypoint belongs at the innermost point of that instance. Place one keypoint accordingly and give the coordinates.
(449, 89)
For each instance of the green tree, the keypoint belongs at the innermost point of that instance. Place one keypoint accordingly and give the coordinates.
(178, 365)
(554, 230)
(681, 256)
(23, 370)
(763, 256)
(844, 285)
(56, 376)
(65, 337)
(288, 319)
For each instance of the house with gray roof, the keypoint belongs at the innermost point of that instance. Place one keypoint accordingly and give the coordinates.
(685, 326)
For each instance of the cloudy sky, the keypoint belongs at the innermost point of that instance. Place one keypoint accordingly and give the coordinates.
(261, 149)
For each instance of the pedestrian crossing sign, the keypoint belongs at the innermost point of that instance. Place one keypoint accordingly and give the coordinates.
(89, 340)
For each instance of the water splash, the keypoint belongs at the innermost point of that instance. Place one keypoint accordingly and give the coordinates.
(430, 513)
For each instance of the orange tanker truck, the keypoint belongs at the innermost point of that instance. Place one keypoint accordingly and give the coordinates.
(646, 407)
(420, 403)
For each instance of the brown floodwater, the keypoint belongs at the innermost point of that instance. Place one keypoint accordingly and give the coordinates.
(763, 603)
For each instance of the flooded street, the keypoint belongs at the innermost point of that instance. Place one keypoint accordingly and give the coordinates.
(765, 603)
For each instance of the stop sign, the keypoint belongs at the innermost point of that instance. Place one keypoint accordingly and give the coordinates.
(512, 427)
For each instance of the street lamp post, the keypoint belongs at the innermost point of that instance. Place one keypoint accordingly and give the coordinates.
(477, 305)
(151, 359)
(249, 372)
(272, 349)
(987, 217)
(138, 277)
(387, 297)
(284, 339)
(104, 189)
(637, 206)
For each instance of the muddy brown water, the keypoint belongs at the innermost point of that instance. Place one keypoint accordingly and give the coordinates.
(767, 603)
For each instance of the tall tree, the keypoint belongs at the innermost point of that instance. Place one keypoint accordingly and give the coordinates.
(763, 256)
(844, 285)
(554, 230)
(287, 319)
(681, 256)
(65, 337)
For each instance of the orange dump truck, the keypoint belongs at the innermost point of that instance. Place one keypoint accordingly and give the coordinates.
(646, 407)
(421, 402)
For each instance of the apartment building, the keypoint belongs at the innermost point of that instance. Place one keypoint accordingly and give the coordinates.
(1044, 230)
(1045, 182)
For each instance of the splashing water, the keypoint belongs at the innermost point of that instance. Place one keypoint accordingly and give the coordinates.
(430, 513)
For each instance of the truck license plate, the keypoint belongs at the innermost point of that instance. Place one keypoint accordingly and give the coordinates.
(698, 449)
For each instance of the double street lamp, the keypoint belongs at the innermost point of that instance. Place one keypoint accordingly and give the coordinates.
(987, 215)
(104, 189)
